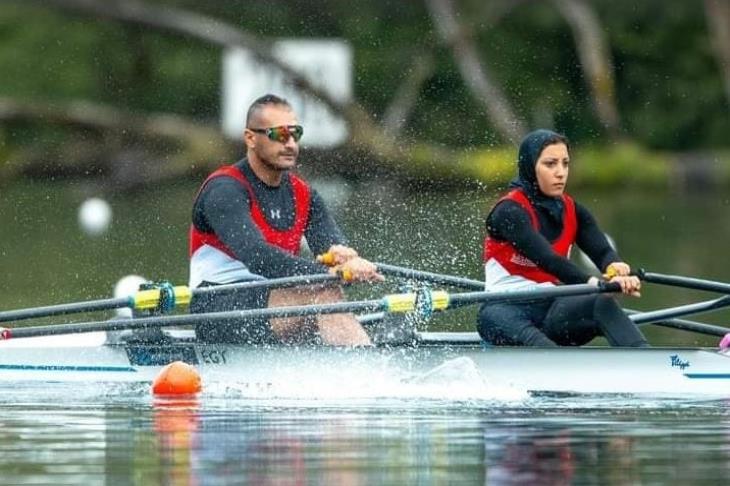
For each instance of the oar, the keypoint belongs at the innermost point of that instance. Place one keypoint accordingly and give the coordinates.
(395, 303)
(153, 298)
(410, 273)
(644, 318)
(686, 282)
(437, 278)
(667, 317)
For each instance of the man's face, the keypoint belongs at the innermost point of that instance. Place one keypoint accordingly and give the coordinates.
(274, 154)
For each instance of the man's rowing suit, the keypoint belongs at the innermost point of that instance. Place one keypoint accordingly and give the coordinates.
(245, 230)
(528, 245)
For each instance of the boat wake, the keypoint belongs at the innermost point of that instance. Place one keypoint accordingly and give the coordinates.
(460, 378)
(457, 379)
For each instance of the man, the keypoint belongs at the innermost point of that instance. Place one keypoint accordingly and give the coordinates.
(248, 221)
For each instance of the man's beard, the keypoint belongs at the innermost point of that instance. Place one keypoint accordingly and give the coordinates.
(272, 166)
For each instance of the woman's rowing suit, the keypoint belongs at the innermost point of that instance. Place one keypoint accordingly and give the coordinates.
(528, 245)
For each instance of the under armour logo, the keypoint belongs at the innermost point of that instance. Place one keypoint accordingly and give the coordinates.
(275, 213)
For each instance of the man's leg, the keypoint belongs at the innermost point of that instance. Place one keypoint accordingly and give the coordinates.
(254, 330)
(333, 329)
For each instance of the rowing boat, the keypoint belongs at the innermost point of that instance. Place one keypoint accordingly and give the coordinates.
(403, 361)
(437, 358)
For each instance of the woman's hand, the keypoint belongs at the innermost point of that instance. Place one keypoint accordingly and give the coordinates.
(620, 269)
(630, 284)
(620, 273)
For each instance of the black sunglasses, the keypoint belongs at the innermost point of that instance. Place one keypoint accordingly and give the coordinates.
(281, 133)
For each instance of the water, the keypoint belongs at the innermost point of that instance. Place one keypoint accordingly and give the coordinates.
(59, 434)
(126, 437)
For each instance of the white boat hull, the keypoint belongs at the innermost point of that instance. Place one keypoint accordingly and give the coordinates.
(448, 367)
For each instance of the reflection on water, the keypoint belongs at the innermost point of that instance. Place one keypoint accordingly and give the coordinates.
(124, 439)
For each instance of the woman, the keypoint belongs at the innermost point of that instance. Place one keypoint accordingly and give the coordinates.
(529, 235)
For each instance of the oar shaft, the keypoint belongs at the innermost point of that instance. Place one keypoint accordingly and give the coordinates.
(192, 319)
(437, 278)
(150, 298)
(62, 309)
(532, 294)
(266, 283)
(685, 282)
(684, 325)
(692, 326)
(396, 303)
(679, 311)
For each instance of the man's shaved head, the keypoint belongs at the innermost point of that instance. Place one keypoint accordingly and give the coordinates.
(260, 104)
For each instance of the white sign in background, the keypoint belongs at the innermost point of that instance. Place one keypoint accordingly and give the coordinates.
(327, 64)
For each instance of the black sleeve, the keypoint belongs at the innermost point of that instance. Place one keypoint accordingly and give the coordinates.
(322, 231)
(593, 241)
(509, 221)
(218, 209)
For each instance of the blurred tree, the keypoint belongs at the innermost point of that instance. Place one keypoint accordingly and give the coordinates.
(421, 106)
(718, 19)
(595, 59)
(474, 71)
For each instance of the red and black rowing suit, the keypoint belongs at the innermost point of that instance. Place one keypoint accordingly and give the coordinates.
(243, 229)
(526, 245)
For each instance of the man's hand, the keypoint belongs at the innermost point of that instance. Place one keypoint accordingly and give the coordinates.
(358, 270)
(337, 255)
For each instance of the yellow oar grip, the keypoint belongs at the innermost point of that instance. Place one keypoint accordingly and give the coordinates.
(326, 259)
(407, 302)
(183, 295)
(439, 300)
(346, 275)
(400, 302)
(150, 299)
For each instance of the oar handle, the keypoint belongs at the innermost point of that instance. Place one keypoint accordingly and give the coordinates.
(327, 258)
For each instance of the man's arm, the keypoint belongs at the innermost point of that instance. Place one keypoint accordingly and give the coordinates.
(509, 221)
(223, 208)
(322, 231)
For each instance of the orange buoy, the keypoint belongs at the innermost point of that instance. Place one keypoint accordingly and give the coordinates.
(177, 378)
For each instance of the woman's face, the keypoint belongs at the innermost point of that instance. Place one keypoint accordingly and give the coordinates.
(552, 169)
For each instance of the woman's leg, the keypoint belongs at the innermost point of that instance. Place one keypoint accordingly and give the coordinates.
(574, 321)
(512, 324)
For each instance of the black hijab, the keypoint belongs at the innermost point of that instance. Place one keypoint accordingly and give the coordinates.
(530, 148)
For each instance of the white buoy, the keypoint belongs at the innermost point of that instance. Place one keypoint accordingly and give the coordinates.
(126, 287)
(95, 215)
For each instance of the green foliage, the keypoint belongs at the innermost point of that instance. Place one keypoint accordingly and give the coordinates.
(669, 87)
